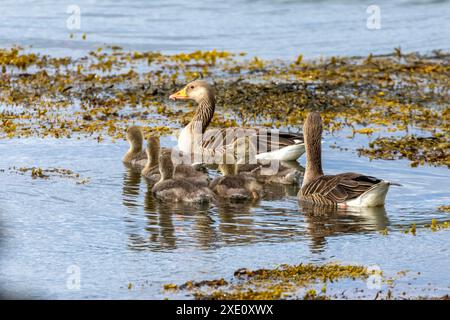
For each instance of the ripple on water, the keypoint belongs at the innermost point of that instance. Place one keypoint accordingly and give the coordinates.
(115, 230)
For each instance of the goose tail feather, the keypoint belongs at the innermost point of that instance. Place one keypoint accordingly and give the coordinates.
(373, 197)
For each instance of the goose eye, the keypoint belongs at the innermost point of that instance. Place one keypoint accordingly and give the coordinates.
(191, 87)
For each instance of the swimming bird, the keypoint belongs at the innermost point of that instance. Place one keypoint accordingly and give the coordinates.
(287, 172)
(235, 186)
(182, 171)
(135, 156)
(151, 168)
(342, 190)
(169, 188)
(279, 145)
(265, 171)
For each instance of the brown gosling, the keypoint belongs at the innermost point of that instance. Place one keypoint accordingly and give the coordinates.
(135, 156)
(182, 171)
(169, 188)
(341, 190)
(283, 174)
(235, 187)
(151, 168)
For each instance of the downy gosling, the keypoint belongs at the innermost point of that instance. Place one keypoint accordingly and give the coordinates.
(169, 188)
(135, 156)
(182, 171)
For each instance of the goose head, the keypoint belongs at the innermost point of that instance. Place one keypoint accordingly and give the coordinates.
(196, 90)
(228, 169)
(312, 127)
(152, 151)
(135, 138)
(166, 167)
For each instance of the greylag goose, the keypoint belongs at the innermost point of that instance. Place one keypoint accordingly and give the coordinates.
(235, 187)
(182, 171)
(135, 156)
(151, 168)
(172, 189)
(342, 190)
(278, 145)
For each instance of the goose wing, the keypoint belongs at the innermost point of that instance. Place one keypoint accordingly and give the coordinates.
(220, 138)
(331, 190)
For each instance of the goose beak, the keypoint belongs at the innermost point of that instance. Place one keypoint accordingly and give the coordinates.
(180, 95)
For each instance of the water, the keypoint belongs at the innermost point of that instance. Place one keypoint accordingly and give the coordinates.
(115, 233)
(271, 29)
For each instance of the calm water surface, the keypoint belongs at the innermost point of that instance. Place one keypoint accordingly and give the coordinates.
(271, 29)
(116, 233)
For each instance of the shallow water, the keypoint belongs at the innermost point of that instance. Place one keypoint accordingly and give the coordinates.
(113, 230)
(116, 233)
(272, 29)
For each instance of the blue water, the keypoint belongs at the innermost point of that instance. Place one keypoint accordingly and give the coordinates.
(271, 29)
(116, 233)
(112, 230)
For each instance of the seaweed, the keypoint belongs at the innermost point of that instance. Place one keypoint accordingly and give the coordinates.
(99, 95)
(278, 283)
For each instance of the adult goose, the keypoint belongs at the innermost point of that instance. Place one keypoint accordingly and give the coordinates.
(342, 190)
(135, 156)
(278, 145)
(169, 188)
(151, 168)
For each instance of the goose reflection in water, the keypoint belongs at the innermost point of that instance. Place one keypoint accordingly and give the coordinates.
(131, 185)
(161, 226)
(172, 223)
(323, 222)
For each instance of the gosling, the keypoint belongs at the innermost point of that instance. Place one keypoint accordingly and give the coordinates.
(285, 173)
(169, 188)
(135, 156)
(235, 187)
(182, 171)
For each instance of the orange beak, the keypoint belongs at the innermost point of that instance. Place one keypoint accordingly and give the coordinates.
(180, 95)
